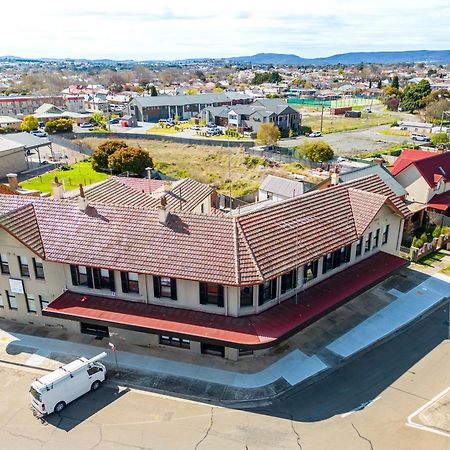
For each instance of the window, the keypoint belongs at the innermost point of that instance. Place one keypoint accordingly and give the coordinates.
(2, 304)
(81, 276)
(165, 287)
(385, 235)
(43, 301)
(211, 294)
(368, 243)
(245, 352)
(267, 291)
(174, 341)
(24, 269)
(327, 262)
(359, 247)
(31, 303)
(93, 370)
(4, 264)
(215, 350)
(376, 238)
(103, 279)
(12, 302)
(38, 268)
(310, 271)
(130, 282)
(246, 296)
(289, 281)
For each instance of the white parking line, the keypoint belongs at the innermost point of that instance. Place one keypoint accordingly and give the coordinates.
(419, 426)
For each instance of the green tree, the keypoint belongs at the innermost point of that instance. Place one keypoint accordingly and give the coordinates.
(317, 151)
(267, 77)
(268, 134)
(153, 91)
(29, 123)
(59, 126)
(439, 138)
(414, 95)
(104, 151)
(99, 120)
(129, 159)
(395, 83)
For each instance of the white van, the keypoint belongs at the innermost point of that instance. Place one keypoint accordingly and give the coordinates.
(52, 392)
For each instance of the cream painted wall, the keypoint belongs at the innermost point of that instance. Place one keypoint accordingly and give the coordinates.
(417, 188)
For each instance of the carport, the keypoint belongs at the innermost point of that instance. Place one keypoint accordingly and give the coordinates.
(29, 143)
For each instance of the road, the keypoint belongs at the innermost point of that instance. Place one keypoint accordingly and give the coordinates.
(398, 377)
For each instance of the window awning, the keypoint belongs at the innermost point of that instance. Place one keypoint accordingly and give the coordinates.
(255, 331)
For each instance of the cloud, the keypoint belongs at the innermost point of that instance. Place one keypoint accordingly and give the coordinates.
(180, 29)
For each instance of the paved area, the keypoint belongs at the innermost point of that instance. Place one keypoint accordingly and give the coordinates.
(363, 406)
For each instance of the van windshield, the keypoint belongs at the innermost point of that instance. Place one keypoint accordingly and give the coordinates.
(35, 394)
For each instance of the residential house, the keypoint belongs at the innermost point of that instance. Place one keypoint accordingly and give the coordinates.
(277, 188)
(47, 112)
(10, 122)
(218, 285)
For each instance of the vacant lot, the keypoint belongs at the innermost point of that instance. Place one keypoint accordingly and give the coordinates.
(207, 164)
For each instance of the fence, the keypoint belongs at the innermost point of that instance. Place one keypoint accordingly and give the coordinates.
(152, 137)
(438, 219)
(443, 241)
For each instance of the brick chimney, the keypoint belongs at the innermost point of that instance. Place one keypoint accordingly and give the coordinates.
(334, 178)
(12, 181)
(167, 186)
(82, 201)
(58, 189)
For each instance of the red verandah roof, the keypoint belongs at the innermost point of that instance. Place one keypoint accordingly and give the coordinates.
(255, 331)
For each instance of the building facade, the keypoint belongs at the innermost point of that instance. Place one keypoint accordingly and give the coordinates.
(180, 273)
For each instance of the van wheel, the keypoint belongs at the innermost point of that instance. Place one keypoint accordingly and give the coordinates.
(59, 407)
(95, 385)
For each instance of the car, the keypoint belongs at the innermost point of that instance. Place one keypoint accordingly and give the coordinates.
(86, 125)
(315, 134)
(195, 128)
(39, 133)
(367, 110)
(41, 124)
(114, 121)
(420, 137)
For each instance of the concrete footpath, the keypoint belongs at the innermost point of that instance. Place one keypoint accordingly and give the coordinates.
(218, 385)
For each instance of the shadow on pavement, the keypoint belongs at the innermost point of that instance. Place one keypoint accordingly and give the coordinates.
(362, 380)
(84, 407)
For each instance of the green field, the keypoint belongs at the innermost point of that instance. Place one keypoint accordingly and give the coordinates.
(72, 176)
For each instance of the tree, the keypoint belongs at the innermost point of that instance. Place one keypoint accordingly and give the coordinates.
(59, 126)
(266, 77)
(395, 83)
(268, 134)
(29, 123)
(153, 91)
(104, 151)
(99, 120)
(435, 111)
(129, 159)
(439, 138)
(414, 95)
(318, 151)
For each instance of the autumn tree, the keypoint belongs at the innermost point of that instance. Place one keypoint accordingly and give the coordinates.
(29, 123)
(129, 159)
(268, 134)
(435, 111)
(104, 151)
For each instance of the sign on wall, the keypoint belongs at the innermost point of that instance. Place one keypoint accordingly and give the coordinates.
(16, 286)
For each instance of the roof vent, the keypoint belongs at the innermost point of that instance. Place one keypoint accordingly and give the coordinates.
(82, 201)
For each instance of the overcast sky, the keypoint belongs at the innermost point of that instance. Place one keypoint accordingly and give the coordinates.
(140, 29)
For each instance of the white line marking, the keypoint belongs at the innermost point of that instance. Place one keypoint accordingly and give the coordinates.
(38, 358)
(419, 426)
(361, 407)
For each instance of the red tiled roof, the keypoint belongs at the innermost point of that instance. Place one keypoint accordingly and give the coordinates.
(407, 157)
(245, 249)
(140, 184)
(440, 201)
(438, 164)
(256, 331)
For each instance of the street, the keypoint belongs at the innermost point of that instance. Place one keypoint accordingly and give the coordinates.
(364, 405)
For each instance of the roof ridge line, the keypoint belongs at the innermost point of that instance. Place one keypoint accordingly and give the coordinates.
(236, 252)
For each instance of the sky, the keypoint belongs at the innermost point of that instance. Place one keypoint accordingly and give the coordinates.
(147, 30)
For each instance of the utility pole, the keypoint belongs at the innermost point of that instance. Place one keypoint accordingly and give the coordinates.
(321, 119)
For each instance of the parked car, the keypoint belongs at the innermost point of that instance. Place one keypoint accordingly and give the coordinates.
(86, 125)
(114, 121)
(195, 128)
(367, 110)
(39, 133)
(41, 124)
(420, 137)
(315, 134)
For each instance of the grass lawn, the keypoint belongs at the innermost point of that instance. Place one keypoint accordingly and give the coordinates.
(395, 132)
(446, 270)
(431, 258)
(78, 173)
(209, 164)
(157, 129)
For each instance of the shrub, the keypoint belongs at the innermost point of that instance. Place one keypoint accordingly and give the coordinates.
(305, 129)
(437, 232)
(29, 123)
(445, 230)
(254, 161)
(268, 134)
(104, 151)
(292, 133)
(59, 126)
(317, 151)
(439, 138)
(418, 243)
(424, 237)
(129, 159)
(394, 124)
